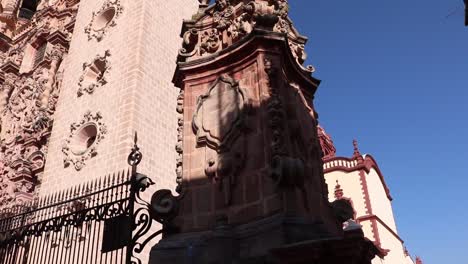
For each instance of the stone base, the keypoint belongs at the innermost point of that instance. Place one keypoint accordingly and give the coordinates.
(253, 243)
(353, 249)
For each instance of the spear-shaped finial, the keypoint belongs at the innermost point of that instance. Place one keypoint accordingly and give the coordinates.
(356, 154)
(135, 156)
(466, 12)
(419, 260)
(339, 193)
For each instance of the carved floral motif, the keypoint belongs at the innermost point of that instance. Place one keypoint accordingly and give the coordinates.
(286, 170)
(104, 19)
(7, 191)
(228, 21)
(180, 137)
(83, 140)
(28, 100)
(94, 74)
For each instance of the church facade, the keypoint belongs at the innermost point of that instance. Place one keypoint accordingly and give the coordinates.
(359, 180)
(78, 78)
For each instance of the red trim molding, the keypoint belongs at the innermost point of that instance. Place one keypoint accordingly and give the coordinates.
(368, 207)
(352, 164)
(374, 220)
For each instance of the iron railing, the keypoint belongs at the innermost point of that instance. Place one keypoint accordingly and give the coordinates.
(98, 222)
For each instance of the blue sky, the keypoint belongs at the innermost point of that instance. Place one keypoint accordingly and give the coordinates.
(395, 77)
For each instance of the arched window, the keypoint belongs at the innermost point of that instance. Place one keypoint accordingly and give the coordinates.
(28, 8)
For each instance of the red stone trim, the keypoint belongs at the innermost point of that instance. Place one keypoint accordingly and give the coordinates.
(375, 219)
(365, 192)
(368, 164)
(368, 206)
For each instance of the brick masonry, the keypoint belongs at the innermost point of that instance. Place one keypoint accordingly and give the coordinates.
(138, 95)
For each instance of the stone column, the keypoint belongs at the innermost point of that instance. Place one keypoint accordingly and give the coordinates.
(251, 179)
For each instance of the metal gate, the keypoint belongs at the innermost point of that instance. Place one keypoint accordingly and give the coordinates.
(98, 222)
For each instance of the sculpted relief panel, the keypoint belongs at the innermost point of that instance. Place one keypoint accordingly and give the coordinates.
(219, 114)
(30, 64)
(26, 108)
(219, 124)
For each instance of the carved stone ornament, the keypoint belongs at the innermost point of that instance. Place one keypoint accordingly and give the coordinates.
(227, 21)
(83, 140)
(94, 74)
(7, 191)
(286, 171)
(219, 115)
(219, 123)
(104, 19)
(180, 138)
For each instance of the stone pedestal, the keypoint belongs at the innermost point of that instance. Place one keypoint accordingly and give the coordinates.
(348, 250)
(237, 244)
(250, 168)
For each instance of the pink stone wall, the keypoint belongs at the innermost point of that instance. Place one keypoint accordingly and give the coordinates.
(138, 96)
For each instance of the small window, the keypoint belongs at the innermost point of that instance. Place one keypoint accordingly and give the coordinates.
(28, 8)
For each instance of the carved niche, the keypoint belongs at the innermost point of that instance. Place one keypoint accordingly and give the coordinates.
(219, 122)
(83, 140)
(104, 19)
(94, 74)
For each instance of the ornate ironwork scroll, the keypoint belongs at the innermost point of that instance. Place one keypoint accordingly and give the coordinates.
(103, 221)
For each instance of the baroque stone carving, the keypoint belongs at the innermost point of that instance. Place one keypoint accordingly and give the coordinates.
(218, 122)
(7, 191)
(180, 137)
(227, 21)
(286, 171)
(219, 114)
(94, 74)
(28, 99)
(83, 140)
(104, 19)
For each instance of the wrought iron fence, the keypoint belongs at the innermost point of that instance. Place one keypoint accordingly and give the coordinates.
(98, 222)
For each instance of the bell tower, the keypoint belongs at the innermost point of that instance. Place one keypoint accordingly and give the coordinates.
(117, 81)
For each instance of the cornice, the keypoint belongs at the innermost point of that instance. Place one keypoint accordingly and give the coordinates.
(248, 45)
(380, 221)
(352, 164)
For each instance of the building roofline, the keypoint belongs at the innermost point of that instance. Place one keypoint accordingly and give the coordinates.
(353, 164)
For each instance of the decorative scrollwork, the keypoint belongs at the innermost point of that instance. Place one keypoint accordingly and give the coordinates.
(135, 156)
(164, 206)
(102, 20)
(228, 21)
(83, 140)
(94, 74)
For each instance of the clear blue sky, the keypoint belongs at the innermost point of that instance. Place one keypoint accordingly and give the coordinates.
(395, 76)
